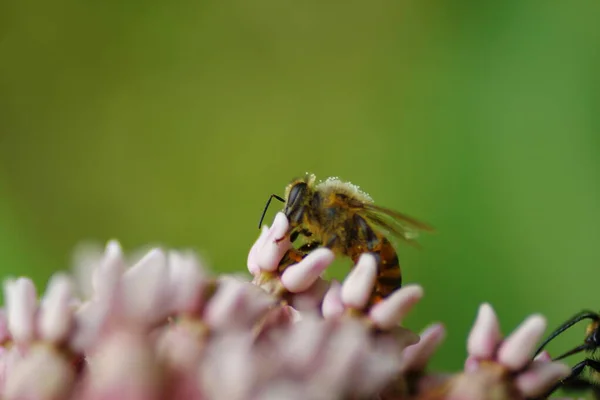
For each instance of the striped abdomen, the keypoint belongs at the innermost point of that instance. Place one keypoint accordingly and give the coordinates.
(389, 275)
(366, 240)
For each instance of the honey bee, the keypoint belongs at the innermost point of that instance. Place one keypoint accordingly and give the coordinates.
(341, 217)
(577, 380)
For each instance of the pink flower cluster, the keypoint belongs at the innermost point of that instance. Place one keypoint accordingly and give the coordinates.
(161, 327)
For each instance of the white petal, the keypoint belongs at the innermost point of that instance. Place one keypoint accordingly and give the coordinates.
(299, 277)
(230, 367)
(145, 287)
(4, 332)
(485, 333)
(42, 374)
(21, 302)
(106, 277)
(56, 316)
(123, 367)
(272, 250)
(359, 283)
(392, 310)
(332, 306)
(516, 350)
(236, 304)
(303, 344)
(185, 279)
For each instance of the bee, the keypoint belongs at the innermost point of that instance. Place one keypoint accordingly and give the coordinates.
(341, 217)
(577, 380)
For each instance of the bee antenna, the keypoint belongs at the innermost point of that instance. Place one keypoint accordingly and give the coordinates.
(572, 321)
(267, 207)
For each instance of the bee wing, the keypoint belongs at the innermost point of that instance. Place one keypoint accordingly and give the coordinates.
(396, 223)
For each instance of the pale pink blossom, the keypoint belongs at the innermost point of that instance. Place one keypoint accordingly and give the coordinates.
(500, 369)
(159, 326)
(266, 254)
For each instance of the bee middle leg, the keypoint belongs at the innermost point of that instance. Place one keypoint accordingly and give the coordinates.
(310, 246)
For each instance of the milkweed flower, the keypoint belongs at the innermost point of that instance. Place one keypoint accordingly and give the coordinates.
(160, 326)
(497, 368)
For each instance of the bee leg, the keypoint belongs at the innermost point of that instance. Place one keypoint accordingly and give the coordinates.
(574, 381)
(574, 385)
(294, 219)
(583, 315)
(310, 246)
(294, 256)
(294, 236)
(302, 231)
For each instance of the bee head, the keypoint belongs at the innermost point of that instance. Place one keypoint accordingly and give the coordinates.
(297, 195)
(295, 200)
(592, 337)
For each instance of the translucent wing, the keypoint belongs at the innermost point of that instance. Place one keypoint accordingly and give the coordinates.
(396, 223)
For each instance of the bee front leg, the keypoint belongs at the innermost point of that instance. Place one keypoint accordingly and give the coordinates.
(295, 220)
(294, 256)
(302, 231)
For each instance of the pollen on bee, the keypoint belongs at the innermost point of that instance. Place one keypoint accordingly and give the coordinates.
(337, 184)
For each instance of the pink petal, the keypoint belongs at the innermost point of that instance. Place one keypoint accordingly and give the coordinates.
(123, 368)
(179, 346)
(516, 350)
(9, 357)
(471, 364)
(230, 368)
(537, 380)
(485, 334)
(21, 307)
(381, 364)
(90, 319)
(301, 276)
(332, 303)
(390, 312)
(359, 283)
(311, 298)
(86, 257)
(305, 342)
(4, 332)
(544, 356)
(236, 304)
(275, 320)
(272, 251)
(55, 314)
(252, 262)
(145, 287)
(42, 374)
(106, 277)
(185, 281)
(416, 357)
(342, 357)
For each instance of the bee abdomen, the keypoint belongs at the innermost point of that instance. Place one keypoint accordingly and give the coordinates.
(389, 275)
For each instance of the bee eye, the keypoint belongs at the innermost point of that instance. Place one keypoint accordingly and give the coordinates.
(595, 337)
(296, 194)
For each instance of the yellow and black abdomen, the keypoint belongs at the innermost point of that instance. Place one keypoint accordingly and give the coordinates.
(389, 274)
(365, 239)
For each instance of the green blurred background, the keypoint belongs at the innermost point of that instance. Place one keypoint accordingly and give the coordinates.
(172, 122)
